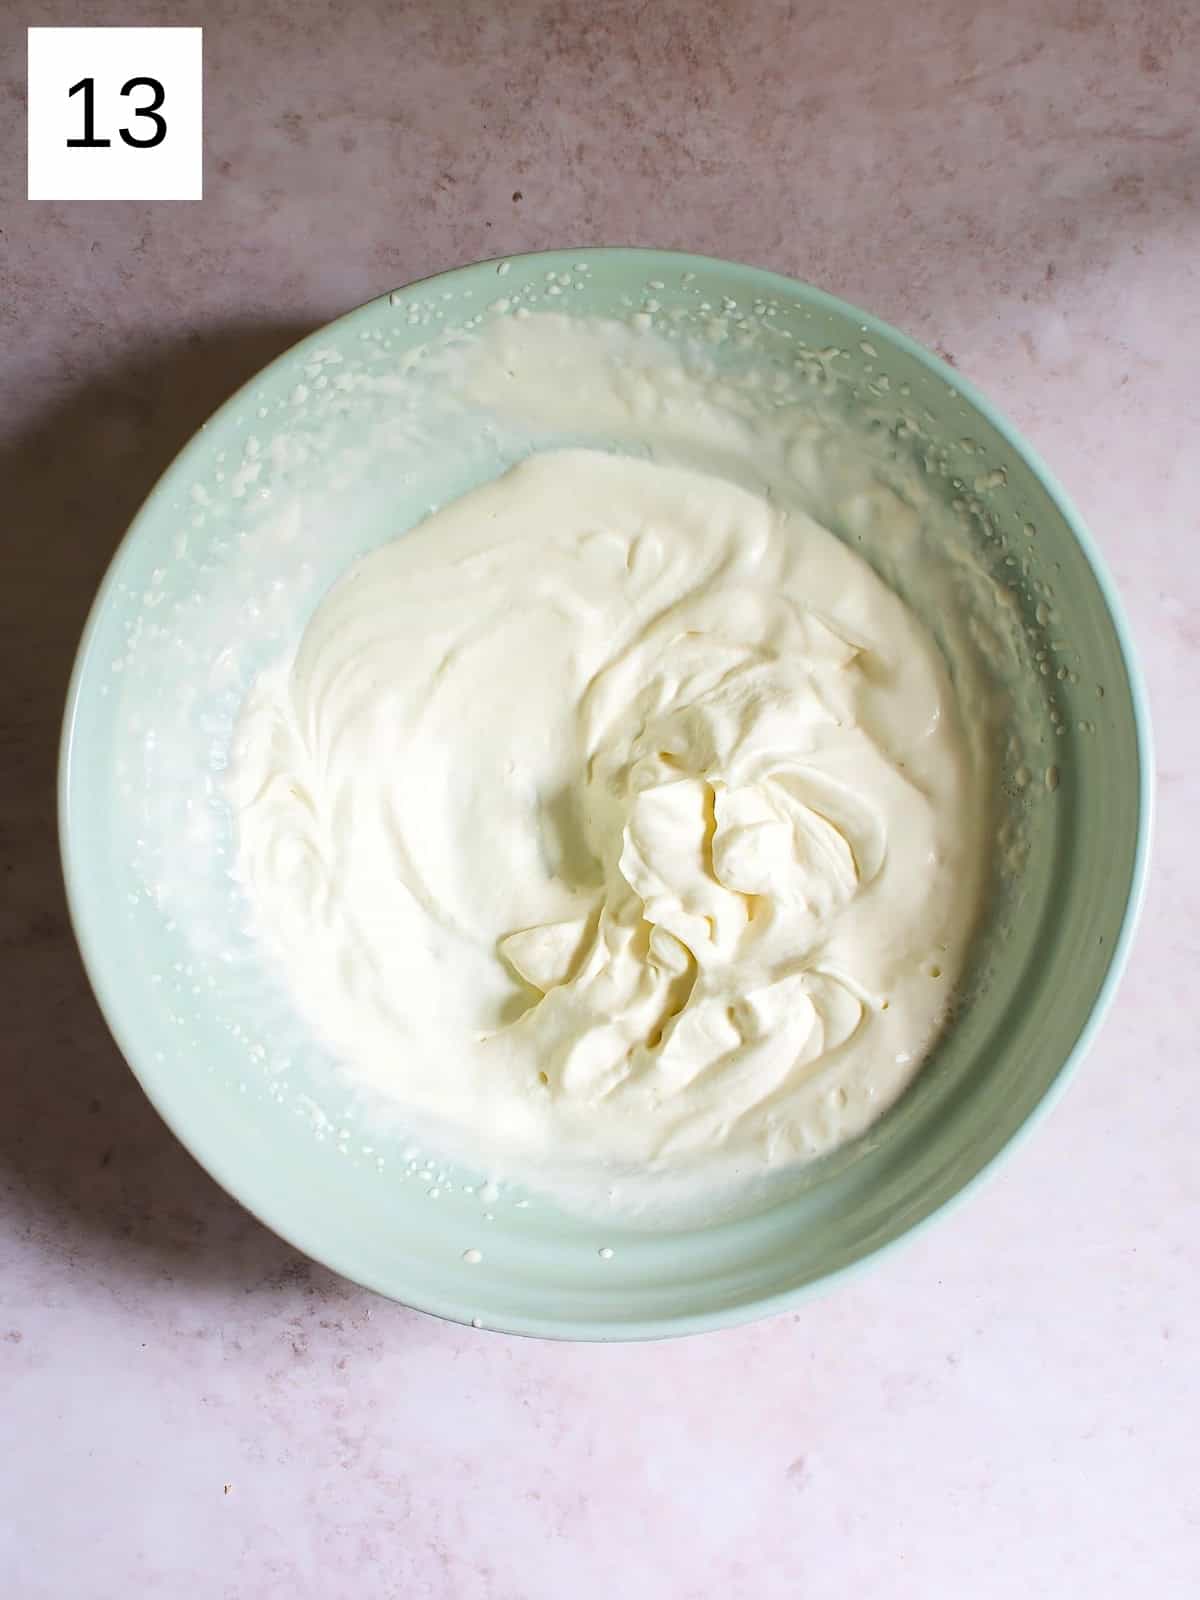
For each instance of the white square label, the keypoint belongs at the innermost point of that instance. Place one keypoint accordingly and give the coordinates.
(115, 114)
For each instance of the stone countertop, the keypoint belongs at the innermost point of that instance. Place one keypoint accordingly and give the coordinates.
(1005, 1408)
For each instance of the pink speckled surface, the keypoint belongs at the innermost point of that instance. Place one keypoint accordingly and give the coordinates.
(1008, 1408)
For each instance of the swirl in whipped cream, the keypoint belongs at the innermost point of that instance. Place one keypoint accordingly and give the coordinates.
(615, 819)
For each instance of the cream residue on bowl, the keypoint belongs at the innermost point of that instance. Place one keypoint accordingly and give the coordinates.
(619, 822)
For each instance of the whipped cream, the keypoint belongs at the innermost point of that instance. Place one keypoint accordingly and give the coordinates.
(617, 819)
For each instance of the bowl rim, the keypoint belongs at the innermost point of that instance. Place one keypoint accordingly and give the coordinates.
(116, 1012)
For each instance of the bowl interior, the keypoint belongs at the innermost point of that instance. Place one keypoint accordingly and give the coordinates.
(309, 466)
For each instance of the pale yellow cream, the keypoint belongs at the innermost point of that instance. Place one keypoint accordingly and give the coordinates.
(615, 821)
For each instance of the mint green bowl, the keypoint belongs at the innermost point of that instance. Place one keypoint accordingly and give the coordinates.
(149, 711)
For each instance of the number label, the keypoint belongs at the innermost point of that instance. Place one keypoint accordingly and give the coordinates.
(115, 114)
(151, 112)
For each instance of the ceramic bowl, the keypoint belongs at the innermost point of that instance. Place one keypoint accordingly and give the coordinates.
(212, 560)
